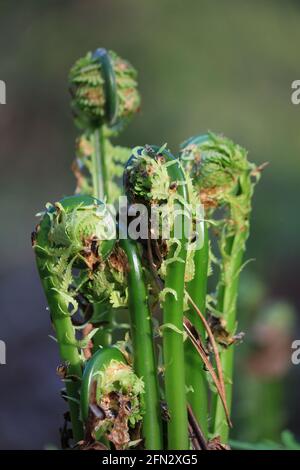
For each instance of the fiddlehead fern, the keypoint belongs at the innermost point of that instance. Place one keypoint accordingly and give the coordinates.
(72, 234)
(82, 265)
(104, 99)
(153, 176)
(112, 398)
(77, 233)
(225, 179)
(104, 90)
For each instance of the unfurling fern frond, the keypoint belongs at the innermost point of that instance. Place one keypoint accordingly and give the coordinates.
(91, 94)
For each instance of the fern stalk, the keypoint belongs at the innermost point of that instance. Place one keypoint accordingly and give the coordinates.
(100, 191)
(153, 176)
(143, 348)
(62, 323)
(227, 298)
(99, 172)
(232, 248)
(68, 351)
(196, 379)
(173, 347)
(224, 179)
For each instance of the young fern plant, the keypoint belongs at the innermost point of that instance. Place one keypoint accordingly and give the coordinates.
(62, 241)
(104, 99)
(225, 181)
(154, 177)
(89, 267)
(76, 233)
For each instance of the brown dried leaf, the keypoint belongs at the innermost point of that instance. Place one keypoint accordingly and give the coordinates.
(220, 332)
(118, 260)
(90, 252)
(215, 444)
(119, 434)
(62, 370)
(217, 356)
(208, 197)
(92, 445)
(87, 351)
(203, 354)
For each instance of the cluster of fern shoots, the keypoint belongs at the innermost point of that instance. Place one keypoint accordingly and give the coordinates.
(146, 348)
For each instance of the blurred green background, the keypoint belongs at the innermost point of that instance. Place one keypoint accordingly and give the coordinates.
(203, 65)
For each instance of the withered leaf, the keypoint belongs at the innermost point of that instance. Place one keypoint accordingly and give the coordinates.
(216, 444)
(220, 332)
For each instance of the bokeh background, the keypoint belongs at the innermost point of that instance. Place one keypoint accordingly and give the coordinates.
(223, 66)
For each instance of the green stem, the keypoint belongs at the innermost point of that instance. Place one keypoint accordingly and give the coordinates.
(69, 353)
(195, 373)
(99, 169)
(99, 173)
(227, 298)
(103, 337)
(99, 177)
(65, 331)
(173, 346)
(143, 347)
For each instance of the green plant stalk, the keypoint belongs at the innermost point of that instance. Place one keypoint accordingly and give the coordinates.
(173, 346)
(99, 178)
(227, 299)
(142, 339)
(69, 353)
(99, 173)
(195, 373)
(197, 289)
(103, 337)
(174, 359)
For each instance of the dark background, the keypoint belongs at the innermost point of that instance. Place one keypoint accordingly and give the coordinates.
(223, 66)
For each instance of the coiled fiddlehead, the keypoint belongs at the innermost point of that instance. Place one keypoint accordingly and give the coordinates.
(104, 99)
(112, 398)
(154, 176)
(104, 90)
